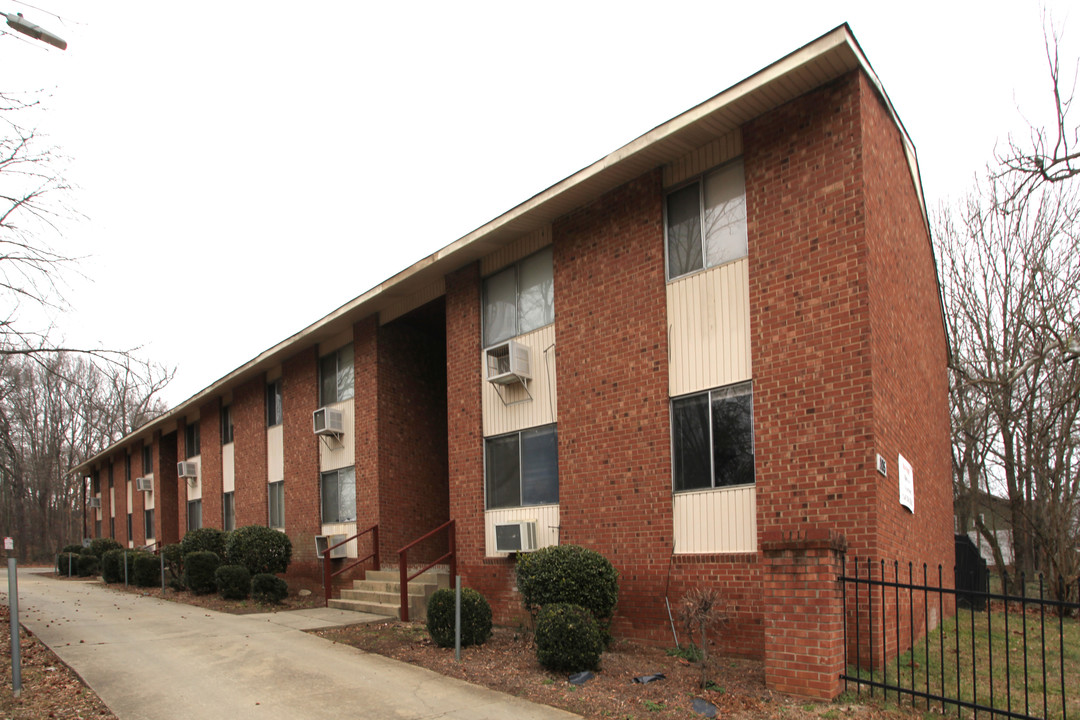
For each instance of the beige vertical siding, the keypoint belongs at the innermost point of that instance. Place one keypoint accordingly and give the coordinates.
(716, 521)
(400, 306)
(228, 468)
(709, 327)
(347, 529)
(525, 413)
(130, 485)
(112, 502)
(547, 525)
(708, 156)
(148, 499)
(336, 342)
(522, 247)
(275, 453)
(339, 452)
(194, 489)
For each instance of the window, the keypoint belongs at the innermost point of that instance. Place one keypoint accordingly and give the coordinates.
(148, 522)
(336, 376)
(277, 504)
(112, 527)
(712, 440)
(147, 460)
(129, 535)
(228, 510)
(339, 495)
(522, 468)
(191, 440)
(226, 425)
(273, 404)
(127, 468)
(194, 514)
(715, 203)
(519, 299)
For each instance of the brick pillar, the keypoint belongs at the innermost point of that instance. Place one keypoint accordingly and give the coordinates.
(803, 612)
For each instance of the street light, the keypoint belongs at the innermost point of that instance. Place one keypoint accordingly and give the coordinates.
(26, 27)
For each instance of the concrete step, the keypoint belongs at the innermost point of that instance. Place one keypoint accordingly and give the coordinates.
(389, 610)
(380, 593)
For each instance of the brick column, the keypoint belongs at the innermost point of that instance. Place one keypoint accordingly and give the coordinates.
(803, 612)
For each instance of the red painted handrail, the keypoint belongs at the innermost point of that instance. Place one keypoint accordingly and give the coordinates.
(328, 576)
(403, 564)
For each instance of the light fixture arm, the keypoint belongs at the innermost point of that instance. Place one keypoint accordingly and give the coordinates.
(18, 22)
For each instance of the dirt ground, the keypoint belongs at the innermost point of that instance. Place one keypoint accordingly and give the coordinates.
(507, 663)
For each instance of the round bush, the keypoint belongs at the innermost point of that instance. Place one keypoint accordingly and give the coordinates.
(100, 546)
(76, 549)
(569, 574)
(205, 539)
(199, 569)
(88, 565)
(112, 566)
(258, 548)
(267, 588)
(174, 561)
(146, 569)
(67, 563)
(233, 582)
(568, 638)
(475, 617)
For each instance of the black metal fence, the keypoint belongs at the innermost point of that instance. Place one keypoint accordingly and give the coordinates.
(978, 651)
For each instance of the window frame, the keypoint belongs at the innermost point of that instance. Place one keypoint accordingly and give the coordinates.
(148, 459)
(227, 430)
(197, 506)
(148, 523)
(700, 180)
(228, 511)
(742, 388)
(337, 473)
(192, 440)
(275, 406)
(516, 268)
(521, 465)
(130, 534)
(275, 495)
(339, 366)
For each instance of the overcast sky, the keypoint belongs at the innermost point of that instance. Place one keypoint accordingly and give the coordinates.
(245, 168)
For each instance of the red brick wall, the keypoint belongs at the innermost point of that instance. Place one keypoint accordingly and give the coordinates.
(300, 397)
(249, 452)
(210, 472)
(168, 521)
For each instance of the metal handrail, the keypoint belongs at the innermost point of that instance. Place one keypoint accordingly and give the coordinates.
(328, 576)
(403, 563)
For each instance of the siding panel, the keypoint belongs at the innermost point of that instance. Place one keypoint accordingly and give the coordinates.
(275, 453)
(525, 413)
(716, 521)
(547, 525)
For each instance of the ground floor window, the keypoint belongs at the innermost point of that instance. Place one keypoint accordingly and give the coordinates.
(339, 495)
(194, 514)
(228, 510)
(148, 522)
(522, 468)
(276, 493)
(712, 438)
(112, 527)
(130, 536)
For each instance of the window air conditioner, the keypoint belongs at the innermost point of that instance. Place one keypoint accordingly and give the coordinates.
(144, 484)
(328, 421)
(507, 363)
(187, 470)
(516, 536)
(95, 503)
(324, 541)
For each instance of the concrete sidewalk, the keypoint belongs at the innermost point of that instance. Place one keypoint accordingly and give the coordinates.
(148, 658)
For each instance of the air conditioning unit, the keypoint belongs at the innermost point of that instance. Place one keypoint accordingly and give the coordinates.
(507, 363)
(516, 536)
(187, 470)
(324, 541)
(328, 421)
(144, 484)
(95, 503)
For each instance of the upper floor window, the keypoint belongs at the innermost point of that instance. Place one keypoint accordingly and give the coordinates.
(706, 221)
(147, 460)
(273, 403)
(226, 425)
(712, 439)
(336, 376)
(522, 468)
(191, 440)
(127, 468)
(520, 298)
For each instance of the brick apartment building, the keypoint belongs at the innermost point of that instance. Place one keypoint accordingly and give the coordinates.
(693, 356)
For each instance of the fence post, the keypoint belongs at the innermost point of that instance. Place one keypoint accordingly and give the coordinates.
(804, 612)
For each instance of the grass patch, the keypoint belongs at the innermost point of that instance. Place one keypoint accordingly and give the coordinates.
(974, 657)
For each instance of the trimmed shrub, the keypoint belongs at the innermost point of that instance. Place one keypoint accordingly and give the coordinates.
(88, 565)
(475, 617)
(568, 638)
(233, 582)
(100, 546)
(67, 562)
(199, 569)
(205, 539)
(112, 566)
(267, 588)
(75, 549)
(174, 562)
(260, 549)
(146, 569)
(569, 574)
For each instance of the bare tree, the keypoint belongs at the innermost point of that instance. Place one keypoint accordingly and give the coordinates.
(1010, 257)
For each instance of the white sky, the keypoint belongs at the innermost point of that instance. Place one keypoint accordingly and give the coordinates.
(245, 168)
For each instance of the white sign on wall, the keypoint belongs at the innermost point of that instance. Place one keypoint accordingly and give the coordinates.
(907, 483)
